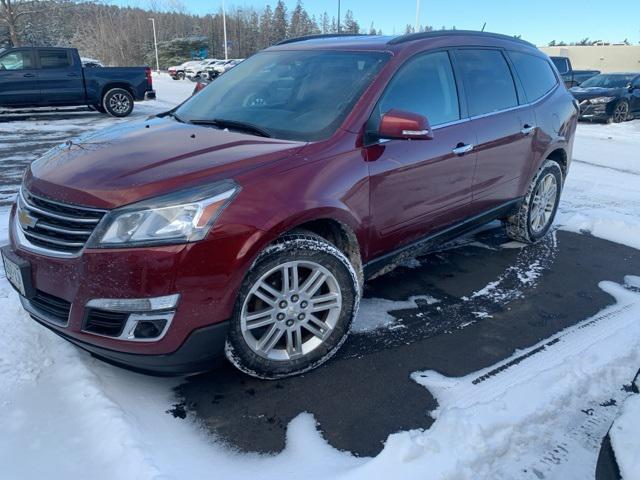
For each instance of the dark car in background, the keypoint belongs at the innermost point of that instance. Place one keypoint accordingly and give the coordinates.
(245, 221)
(55, 77)
(570, 76)
(609, 97)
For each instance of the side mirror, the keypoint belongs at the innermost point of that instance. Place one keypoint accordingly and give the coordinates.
(398, 124)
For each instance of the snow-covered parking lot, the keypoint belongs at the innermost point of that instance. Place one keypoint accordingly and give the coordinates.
(485, 360)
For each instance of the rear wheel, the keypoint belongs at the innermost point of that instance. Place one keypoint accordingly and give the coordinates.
(118, 102)
(180, 76)
(535, 216)
(294, 309)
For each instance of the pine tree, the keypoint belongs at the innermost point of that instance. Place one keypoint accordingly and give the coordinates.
(266, 20)
(325, 24)
(350, 24)
(279, 25)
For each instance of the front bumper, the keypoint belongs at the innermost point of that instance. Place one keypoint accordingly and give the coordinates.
(594, 111)
(206, 283)
(202, 351)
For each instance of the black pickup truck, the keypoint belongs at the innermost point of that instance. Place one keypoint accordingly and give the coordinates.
(571, 77)
(47, 77)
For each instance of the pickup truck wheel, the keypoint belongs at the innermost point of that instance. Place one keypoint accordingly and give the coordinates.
(294, 309)
(118, 102)
(535, 216)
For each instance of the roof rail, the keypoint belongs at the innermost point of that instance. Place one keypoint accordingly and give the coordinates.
(320, 35)
(445, 33)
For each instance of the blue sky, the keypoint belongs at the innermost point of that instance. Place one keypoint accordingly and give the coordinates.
(538, 21)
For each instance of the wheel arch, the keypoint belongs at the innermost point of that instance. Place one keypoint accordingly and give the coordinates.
(112, 85)
(333, 225)
(559, 155)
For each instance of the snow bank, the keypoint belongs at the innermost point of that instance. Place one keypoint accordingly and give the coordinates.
(625, 438)
(486, 421)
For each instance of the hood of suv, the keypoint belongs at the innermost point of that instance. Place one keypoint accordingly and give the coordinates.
(135, 161)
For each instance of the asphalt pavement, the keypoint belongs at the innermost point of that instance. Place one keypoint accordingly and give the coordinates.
(365, 393)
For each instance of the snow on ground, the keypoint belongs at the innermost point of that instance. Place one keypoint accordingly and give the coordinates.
(66, 415)
(624, 437)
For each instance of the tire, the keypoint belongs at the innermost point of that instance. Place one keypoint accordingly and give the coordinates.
(620, 111)
(118, 102)
(268, 346)
(180, 76)
(529, 224)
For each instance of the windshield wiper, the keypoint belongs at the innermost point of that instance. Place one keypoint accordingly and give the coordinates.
(175, 115)
(234, 125)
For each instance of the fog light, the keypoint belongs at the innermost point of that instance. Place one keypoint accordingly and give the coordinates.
(149, 328)
(132, 319)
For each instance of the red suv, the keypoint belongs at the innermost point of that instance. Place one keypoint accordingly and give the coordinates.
(245, 221)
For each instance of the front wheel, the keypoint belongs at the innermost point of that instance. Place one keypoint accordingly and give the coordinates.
(620, 112)
(118, 102)
(535, 216)
(294, 309)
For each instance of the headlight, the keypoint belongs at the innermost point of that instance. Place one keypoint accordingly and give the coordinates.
(182, 217)
(602, 100)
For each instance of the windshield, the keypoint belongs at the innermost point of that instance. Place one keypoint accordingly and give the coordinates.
(608, 81)
(293, 95)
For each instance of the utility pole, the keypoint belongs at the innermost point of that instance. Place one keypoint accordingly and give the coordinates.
(338, 16)
(417, 16)
(224, 29)
(155, 43)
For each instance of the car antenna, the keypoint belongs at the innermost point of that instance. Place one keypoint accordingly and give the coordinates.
(484, 25)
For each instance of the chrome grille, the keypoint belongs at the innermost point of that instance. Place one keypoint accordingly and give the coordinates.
(53, 226)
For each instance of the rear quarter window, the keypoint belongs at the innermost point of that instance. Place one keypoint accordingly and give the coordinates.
(535, 74)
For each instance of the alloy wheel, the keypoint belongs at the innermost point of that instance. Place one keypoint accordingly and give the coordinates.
(621, 112)
(291, 310)
(119, 103)
(543, 203)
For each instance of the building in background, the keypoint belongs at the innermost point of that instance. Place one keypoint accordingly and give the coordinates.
(606, 58)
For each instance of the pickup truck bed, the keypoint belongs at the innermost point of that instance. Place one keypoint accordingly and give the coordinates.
(41, 77)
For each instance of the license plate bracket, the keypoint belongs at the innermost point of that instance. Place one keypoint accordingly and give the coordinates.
(18, 271)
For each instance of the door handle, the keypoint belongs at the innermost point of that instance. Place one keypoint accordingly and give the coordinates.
(462, 148)
(72, 74)
(527, 129)
(29, 75)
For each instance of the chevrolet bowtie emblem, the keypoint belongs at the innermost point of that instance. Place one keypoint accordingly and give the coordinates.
(26, 220)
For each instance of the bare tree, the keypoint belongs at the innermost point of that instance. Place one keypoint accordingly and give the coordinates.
(12, 13)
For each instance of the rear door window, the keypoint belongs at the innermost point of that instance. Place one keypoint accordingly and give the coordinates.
(424, 85)
(535, 73)
(54, 59)
(487, 81)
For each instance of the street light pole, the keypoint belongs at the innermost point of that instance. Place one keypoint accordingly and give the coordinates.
(155, 43)
(224, 29)
(417, 15)
(338, 16)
